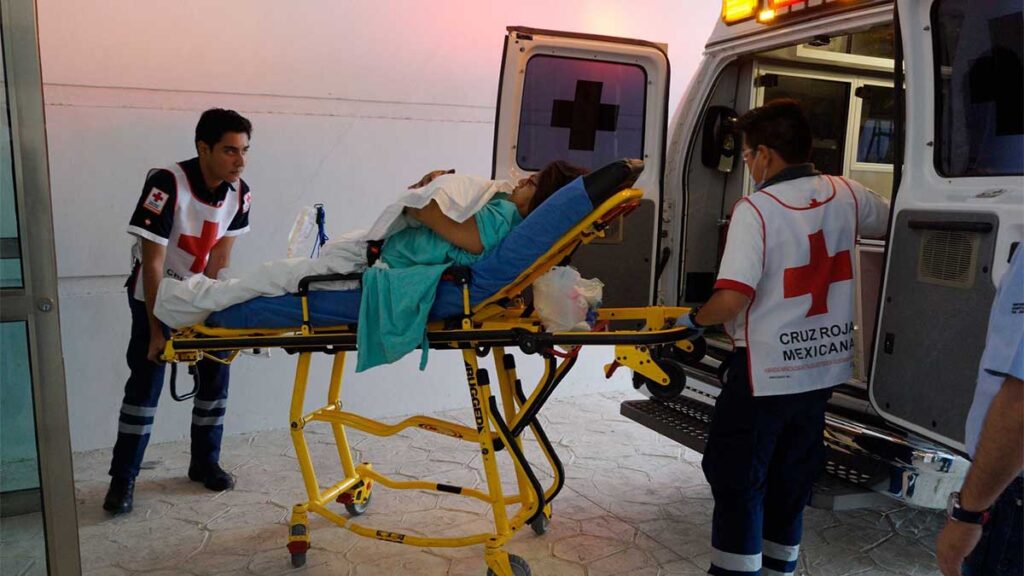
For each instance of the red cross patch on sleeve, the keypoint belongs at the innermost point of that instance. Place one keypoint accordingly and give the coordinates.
(155, 201)
(246, 201)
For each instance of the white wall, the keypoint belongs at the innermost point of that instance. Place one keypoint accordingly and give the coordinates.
(350, 102)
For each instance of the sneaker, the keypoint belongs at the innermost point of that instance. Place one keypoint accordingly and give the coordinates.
(120, 496)
(211, 475)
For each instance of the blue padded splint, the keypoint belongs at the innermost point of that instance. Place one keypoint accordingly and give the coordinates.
(527, 242)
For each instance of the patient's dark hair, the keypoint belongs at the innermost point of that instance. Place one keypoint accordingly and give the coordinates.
(551, 178)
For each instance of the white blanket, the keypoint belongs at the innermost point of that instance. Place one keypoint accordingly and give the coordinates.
(184, 303)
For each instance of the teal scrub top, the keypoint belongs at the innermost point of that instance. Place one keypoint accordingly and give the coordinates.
(396, 300)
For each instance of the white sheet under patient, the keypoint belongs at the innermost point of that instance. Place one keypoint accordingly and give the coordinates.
(184, 303)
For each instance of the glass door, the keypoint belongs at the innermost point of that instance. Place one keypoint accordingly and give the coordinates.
(827, 103)
(38, 523)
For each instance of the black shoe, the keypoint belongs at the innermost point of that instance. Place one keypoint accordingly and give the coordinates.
(120, 496)
(211, 475)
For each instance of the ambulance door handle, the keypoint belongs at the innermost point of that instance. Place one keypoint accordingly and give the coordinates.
(946, 226)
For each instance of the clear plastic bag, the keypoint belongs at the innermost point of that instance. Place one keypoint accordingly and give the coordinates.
(302, 231)
(565, 301)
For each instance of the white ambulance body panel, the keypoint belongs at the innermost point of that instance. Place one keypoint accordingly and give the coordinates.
(844, 59)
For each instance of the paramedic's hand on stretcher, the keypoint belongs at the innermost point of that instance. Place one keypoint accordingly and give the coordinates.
(687, 321)
(429, 177)
(156, 346)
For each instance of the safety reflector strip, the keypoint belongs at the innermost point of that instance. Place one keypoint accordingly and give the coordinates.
(735, 562)
(208, 420)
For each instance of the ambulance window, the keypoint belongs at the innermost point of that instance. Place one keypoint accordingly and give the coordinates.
(980, 86)
(874, 135)
(584, 111)
(826, 103)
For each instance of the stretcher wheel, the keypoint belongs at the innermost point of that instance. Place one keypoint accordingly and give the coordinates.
(676, 375)
(519, 567)
(355, 509)
(540, 524)
(298, 543)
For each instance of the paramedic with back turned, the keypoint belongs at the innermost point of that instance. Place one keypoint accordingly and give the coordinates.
(785, 295)
(185, 223)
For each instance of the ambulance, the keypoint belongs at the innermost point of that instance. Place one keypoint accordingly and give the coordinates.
(920, 100)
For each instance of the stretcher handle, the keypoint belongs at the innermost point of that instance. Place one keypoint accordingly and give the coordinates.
(174, 383)
(603, 183)
(307, 280)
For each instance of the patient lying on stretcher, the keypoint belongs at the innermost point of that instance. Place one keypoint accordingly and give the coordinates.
(445, 219)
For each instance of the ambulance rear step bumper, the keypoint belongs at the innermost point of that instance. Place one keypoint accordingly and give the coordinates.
(863, 462)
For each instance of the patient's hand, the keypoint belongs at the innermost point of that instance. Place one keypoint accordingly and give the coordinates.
(429, 177)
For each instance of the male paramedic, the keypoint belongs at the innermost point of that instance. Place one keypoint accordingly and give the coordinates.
(185, 223)
(984, 533)
(785, 295)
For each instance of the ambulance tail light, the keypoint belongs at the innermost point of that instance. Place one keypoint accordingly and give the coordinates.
(735, 10)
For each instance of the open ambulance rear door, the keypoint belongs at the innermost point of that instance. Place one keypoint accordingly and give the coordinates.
(958, 213)
(590, 100)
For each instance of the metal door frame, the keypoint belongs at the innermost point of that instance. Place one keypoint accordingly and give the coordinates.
(36, 302)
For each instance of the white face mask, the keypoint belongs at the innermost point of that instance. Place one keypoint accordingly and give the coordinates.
(758, 182)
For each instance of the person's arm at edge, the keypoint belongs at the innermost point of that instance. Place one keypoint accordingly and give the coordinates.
(152, 270)
(220, 256)
(465, 235)
(873, 213)
(998, 459)
(723, 306)
(726, 302)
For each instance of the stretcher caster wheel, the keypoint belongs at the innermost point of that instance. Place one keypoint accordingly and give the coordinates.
(540, 524)
(357, 498)
(519, 567)
(298, 544)
(355, 509)
(677, 380)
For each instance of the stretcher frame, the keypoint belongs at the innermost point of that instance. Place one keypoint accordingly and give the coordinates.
(500, 322)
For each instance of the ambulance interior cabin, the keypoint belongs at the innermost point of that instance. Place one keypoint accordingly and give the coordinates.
(845, 84)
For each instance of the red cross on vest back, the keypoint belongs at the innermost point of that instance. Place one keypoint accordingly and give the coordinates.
(818, 275)
(199, 246)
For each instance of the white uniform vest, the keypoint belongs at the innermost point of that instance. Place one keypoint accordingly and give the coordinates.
(799, 326)
(197, 227)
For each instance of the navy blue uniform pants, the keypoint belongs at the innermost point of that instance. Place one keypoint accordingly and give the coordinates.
(142, 392)
(1001, 549)
(762, 457)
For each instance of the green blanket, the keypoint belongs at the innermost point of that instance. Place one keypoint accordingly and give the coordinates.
(396, 300)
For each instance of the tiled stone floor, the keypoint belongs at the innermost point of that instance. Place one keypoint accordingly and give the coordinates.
(634, 503)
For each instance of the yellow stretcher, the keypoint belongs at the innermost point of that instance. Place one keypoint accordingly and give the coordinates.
(502, 321)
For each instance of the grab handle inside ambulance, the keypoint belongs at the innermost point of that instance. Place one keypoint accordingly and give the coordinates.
(947, 226)
(718, 139)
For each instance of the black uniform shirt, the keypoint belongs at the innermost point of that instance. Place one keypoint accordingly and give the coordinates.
(160, 224)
